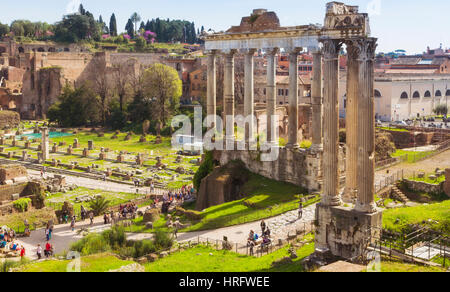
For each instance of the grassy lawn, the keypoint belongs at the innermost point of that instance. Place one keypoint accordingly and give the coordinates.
(428, 180)
(94, 263)
(264, 198)
(392, 129)
(57, 200)
(411, 156)
(150, 150)
(198, 259)
(439, 212)
(392, 267)
(15, 221)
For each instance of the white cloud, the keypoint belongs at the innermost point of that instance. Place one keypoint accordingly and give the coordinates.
(72, 6)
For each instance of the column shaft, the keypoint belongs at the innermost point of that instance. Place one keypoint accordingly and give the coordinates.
(271, 95)
(331, 124)
(249, 96)
(316, 94)
(351, 124)
(293, 100)
(366, 128)
(211, 89)
(228, 91)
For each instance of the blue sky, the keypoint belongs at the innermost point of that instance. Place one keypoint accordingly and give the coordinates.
(399, 24)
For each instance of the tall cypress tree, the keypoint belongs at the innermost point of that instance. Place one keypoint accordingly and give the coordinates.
(130, 28)
(113, 25)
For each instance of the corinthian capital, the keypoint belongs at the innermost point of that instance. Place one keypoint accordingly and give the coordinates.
(361, 49)
(331, 48)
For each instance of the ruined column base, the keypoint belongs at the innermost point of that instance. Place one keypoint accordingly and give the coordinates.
(345, 232)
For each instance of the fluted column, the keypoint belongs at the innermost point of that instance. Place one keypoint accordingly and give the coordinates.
(228, 93)
(366, 126)
(249, 95)
(293, 99)
(316, 99)
(351, 122)
(271, 94)
(211, 89)
(330, 195)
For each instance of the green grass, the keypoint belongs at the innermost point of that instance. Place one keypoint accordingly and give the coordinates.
(426, 179)
(412, 156)
(94, 263)
(392, 129)
(116, 198)
(439, 212)
(198, 259)
(260, 194)
(391, 267)
(440, 260)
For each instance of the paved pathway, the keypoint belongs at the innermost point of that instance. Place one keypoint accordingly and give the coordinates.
(279, 226)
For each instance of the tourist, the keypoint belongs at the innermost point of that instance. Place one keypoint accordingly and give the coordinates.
(47, 234)
(91, 217)
(251, 245)
(267, 232)
(263, 227)
(72, 223)
(48, 250)
(39, 251)
(83, 213)
(22, 252)
(300, 210)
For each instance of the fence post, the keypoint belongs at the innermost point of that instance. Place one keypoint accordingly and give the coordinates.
(236, 248)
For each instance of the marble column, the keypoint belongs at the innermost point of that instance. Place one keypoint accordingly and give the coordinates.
(351, 123)
(211, 89)
(366, 126)
(316, 100)
(228, 94)
(271, 94)
(293, 99)
(330, 196)
(45, 143)
(249, 95)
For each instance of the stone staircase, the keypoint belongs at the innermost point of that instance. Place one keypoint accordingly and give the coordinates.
(399, 195)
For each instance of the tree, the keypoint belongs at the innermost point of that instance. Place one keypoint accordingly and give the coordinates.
(163, 86)
(81, 10)
(101, 86)
(99, 206)
(129, 28)
(113, 25)
(121, 80)
(4, 29)
(135, 18)
(76, 107)
(74, 28)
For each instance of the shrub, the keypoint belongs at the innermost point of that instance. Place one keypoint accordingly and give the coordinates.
(99, 205)
(162, 240)
(91, 244)
(204, 170)
(22, 204)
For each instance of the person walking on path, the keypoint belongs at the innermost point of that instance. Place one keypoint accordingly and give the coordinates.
(91, 217)
(47, 233)
(300, 210)
(72, 223)
(263, 227)
(39, 251)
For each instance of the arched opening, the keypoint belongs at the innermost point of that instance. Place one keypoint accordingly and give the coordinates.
(438, 93)
(2, 50)
(447, 93)
(66, 50)
(427, 93)
(377, 93)
(52, 50)
(21, 50)
(41, 50)
(416, 94)
(404, 95)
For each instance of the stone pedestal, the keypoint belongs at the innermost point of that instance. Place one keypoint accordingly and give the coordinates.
(24, 155)
(102, 156)
(108, 172)
(140, 159)
(2, 140)
(447, 182)
(27, 145)
(120, 158)
(85, 152)
(69, 150)
(55, 148)
(76, 144)
(91, 145)
(344, 232)
(54, 162)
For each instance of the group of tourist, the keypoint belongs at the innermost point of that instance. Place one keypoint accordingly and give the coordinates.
(184, 194)
(8, 243)
(128, 210)
(254, 239)
(48, 251)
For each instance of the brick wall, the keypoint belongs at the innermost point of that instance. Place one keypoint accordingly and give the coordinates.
(7, 191)
(447, 182)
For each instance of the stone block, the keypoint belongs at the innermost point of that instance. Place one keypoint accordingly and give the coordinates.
(447, 182)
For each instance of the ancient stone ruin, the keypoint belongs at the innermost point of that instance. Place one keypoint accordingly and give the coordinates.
(343, 232)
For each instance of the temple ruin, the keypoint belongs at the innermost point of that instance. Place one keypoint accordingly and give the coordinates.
(343, 232)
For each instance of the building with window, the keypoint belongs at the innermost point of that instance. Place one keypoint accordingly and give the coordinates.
(405, 96)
